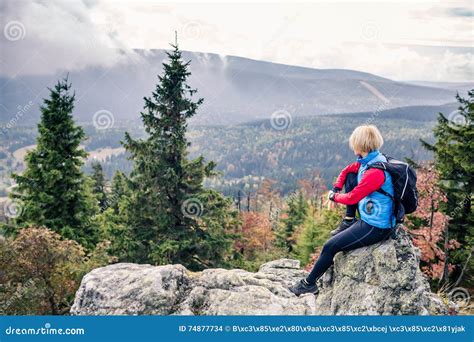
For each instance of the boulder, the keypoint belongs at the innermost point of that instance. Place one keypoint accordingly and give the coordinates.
(131, 289)
(382, 279)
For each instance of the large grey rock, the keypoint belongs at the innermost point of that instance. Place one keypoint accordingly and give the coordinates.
(130, 289)
(383, 279)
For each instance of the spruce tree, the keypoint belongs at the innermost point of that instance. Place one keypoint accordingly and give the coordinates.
(314, 233)
(172, 216)
(113, 220)
(296, 214)
(454, 160)
(53, 191)
(98, 185)
(120, 193)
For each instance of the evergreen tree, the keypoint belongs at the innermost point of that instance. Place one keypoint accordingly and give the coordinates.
(98, 185)
(172, 217)
(454, 160)
(53, 191)
(113, 220)
(119, 192)
(315, 232)
(296, 214)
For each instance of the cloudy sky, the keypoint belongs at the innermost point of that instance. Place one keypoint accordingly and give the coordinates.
(403, 40)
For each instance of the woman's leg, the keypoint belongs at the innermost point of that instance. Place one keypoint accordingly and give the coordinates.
(358, 235)
(349, 185)
(349, 219)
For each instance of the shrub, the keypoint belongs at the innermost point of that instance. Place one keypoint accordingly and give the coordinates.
(42, 271)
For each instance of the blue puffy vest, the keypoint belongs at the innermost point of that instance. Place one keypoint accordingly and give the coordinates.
(376, 208)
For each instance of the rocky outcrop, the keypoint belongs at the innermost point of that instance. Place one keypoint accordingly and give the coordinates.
(383, 279)
(131, 289)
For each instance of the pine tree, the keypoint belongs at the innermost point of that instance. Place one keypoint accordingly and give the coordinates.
(98, 185)
(119, 192)
(113, 220)
(454, 160)
(173, 218)
(53, 191)
(314, 232)
(296, 214)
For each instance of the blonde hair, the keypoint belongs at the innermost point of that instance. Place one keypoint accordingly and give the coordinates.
(366, 138)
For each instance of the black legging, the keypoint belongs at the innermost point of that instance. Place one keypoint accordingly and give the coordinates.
(349, 184)
(358, 235)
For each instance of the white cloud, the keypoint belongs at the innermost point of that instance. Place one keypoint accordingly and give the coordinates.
(381, 38)
(58, 35)
(400, 62)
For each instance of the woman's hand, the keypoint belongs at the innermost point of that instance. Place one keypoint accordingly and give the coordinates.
(331, 195)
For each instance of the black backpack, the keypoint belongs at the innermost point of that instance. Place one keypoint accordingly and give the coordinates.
(404, 186)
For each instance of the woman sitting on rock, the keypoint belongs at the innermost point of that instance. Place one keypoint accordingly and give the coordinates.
(364, 191)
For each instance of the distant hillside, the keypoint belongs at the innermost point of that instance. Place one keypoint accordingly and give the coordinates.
(411, 113)
(462, 87)
(310, 144)
(255, 149)
(235, 90)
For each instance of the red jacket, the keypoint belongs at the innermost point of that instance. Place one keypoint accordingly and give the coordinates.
(371, 181)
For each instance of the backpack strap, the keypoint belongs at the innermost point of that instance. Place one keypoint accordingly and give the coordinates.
(381, 166)
(377, 165)
(383, 192)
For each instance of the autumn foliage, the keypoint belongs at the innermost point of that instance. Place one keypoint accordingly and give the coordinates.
(257, 234)
(428, 225)
(41, 271)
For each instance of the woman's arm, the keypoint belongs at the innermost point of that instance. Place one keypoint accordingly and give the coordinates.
(371, 181)
(341, 179)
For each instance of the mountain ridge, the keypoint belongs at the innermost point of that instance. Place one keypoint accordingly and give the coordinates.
(235, 89)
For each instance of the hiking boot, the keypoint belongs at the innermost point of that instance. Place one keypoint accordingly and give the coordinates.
(303, 287)
(343, 226)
